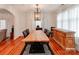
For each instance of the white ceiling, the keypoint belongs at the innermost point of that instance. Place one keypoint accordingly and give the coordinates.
(31, 7)
(43, 7)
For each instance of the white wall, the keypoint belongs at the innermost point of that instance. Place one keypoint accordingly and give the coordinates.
(23, 20)
(49, 20)
(9, 21)
(30, 21)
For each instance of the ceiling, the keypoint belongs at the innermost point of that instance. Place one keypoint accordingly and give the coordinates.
(43, 7)
(31, 7)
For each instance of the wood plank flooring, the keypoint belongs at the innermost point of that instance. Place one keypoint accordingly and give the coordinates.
(12, 47)
(15, 47)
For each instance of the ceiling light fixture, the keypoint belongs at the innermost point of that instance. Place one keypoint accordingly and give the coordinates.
(37, 12)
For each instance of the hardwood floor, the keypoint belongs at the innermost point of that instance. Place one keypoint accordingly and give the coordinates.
(15, 47)
(12, 47)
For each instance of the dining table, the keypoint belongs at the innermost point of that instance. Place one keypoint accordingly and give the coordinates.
(37, 39)
(36, 36)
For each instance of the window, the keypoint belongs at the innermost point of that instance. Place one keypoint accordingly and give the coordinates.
(59, 20)
(38, 23)
(69, 20)
(65, 20)
(2, 24)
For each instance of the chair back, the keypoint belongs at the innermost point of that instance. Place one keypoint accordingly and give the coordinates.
(38, 28)
(25, 32)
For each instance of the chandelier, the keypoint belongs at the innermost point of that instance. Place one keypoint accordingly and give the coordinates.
(37, 13)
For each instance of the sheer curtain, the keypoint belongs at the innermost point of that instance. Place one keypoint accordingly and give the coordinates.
(69, 20)
(59, 20)
(65, 20)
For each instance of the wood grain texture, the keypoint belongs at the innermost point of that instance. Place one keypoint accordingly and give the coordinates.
(58, 50)
(12, 47)
(64, 38)
(36, 36)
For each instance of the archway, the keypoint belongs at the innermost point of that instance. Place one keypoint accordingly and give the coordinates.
(8, 22)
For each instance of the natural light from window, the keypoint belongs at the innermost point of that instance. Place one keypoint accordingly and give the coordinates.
(69, 20)
(38, 23)
(2, 24)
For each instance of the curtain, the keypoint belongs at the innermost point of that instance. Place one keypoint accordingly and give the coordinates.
(69, 20)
